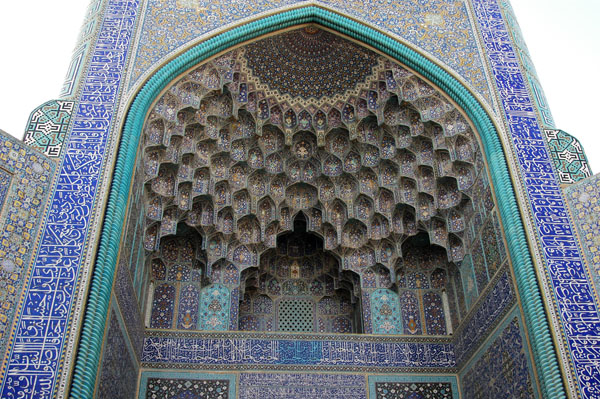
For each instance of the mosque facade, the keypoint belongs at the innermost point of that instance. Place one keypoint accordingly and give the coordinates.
(298, 199)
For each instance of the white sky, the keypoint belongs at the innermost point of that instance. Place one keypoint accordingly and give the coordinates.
(38, 36)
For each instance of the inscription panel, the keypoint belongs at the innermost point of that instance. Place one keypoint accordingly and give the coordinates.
(37, 355)
(229, 352)
(573, 298)
(302, 386)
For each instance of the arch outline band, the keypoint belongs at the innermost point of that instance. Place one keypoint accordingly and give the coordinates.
(97, 304)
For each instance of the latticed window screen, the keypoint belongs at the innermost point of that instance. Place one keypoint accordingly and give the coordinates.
(296, 315)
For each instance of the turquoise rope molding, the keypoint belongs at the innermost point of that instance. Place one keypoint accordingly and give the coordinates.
(88, 355)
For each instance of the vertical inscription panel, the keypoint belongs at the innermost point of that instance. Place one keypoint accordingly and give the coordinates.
(35, 360)
(575, 305)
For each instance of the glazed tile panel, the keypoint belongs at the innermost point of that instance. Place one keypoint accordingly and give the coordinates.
(523, 52)
(118, 370)
(39, 343)
(409, 390)
(48, 125)
(501, 367)
(302, 386)
(413, 387)
(584, 202)
(230, 350)
(169, 385)
(25, 181)
(167, 388)
(568, 156)
(572, 293)
(490, 310)
(441, 28)
(162, 350)
(130, 308)
(86, 35)
(35, 360)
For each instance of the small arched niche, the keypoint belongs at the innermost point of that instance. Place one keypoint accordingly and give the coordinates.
(299, 287)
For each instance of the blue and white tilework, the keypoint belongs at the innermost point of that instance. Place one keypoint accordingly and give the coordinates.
(48, 125)
(74, 71)
(413, 387)
(36, 357)
(568, 156)
(5, 179)
(302, 386)
(491, 308)
(168, 385)
(232, 351)
(86, 35)
(573, 301)
(129, 308)
(25, 181)
(529, 68)
(440, 28)
(118, 368)
(584, 202)
(385, 312)
(215, 308)
(502, 368)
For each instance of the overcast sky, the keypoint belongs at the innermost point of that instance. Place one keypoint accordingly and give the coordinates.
(38, 36)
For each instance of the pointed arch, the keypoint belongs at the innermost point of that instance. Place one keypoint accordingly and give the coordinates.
(88, 354)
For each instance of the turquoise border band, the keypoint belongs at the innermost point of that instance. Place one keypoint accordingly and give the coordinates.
(103, 275)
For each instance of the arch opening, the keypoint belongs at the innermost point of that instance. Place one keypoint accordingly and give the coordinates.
(82, 381)
(372, 161)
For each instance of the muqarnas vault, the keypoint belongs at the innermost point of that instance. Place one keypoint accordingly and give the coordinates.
(298, 199)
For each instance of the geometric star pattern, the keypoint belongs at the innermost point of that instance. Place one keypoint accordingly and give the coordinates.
(47, 127)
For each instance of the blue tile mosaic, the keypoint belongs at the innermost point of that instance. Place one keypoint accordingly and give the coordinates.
(530, 72)
(47, 127)
(584, 203)
(568, 156)
(491, 308)
(502, 368)
(413, 387)
(385, 312)
(129, 307)
(35, 361)
(118, 369)
(169, 385)
(233, 351)
(74, 71)
(215, 304)
(93, 17)
(5, 178)
(36, 358)
(573, 301)
(302, 386)
(25, 181)
(440, 28)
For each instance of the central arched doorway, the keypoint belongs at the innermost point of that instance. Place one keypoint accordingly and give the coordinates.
(440, 186)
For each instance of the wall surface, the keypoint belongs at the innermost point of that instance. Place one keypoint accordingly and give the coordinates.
(25, 183)
(584, 204)
(126, 42)
(163, 385)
